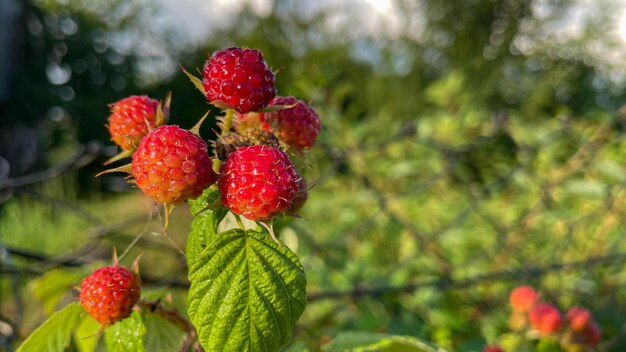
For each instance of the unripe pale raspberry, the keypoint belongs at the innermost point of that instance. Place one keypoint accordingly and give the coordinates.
(545, 318)
(240, 78)
(297, 126)
(110, 293)
(172, 164)
(258, 182)
(579, 318)
(523, 298)
(130, 120)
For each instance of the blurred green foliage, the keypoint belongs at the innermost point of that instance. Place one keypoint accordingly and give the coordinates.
(452, 166)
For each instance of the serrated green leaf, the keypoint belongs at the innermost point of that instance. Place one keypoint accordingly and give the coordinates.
(55, 333)
(52, 286)
(126, 335)
(365, 341)
(247, 292)
(161, 335)
(204, 225)
(86, 335)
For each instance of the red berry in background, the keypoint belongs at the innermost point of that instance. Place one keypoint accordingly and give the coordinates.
(579, 318)
(258, 182)
(240, 78)
(110, 293)
(523, 298)
(172, 164)
(493, 348)
(545, 318)
(130, 118)
(297, 126)
(592, 334)
(301, 195)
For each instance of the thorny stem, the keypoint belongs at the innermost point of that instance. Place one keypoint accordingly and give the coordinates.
(174, 317)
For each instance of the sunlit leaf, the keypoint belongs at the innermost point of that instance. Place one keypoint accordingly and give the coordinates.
(247, 292)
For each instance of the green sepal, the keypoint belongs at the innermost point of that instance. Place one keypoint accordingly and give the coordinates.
(195, 80)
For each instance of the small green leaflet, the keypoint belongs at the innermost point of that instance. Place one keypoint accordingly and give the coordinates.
(204, 224)
(55, 333)
(126, 335)
(162, 335)
(53, 285)
(247, 292)
(86, 335)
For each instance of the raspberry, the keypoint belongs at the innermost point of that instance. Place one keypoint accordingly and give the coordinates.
(172, 164)
(240, 78)
(129, 120)
(109, 293)
(493, 348)
(545, 318)
(258, 182)
(297, 126)
(579, 318)
(522, 298)
(301, 195)
(593, 334)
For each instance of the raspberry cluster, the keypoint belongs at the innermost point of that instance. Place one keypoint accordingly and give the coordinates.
(576, 330)
(255, 176)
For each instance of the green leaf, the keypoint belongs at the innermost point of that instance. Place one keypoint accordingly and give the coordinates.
(204, 225)
(52, 286)
(247, 292)
(366, 341)
(55, 333)
(126, 335)
(87, 335)
(161, 334)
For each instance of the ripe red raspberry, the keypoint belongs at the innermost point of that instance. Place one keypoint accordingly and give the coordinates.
(110, 293)
(493, 348)
(129, 120)
(297, 126)
(579, 318)
(172, 164)
(545, 318)
(258, 182)
(240, 78)
(522, 298)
